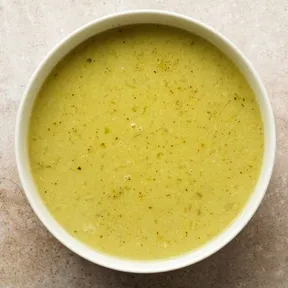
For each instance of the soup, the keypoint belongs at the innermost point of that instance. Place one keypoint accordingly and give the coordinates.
(145, 142)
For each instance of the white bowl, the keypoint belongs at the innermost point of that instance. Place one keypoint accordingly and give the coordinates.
(80, 35)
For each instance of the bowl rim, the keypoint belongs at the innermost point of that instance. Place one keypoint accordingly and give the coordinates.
(158, 265)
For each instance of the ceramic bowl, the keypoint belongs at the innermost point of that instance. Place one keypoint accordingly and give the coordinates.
(64, 47)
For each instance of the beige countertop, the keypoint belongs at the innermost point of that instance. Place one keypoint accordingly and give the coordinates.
(31, 257)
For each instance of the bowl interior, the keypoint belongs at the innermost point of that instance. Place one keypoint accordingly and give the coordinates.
(137, 17)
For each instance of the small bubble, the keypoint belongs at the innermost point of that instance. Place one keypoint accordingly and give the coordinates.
(127, 177)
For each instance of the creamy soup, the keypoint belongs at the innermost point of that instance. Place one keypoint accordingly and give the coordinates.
(145, 142)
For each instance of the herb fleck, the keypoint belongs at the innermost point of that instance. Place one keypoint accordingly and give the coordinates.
(199, 195)
(103, 145)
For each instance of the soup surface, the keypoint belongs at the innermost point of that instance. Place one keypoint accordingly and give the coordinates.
(145, 142)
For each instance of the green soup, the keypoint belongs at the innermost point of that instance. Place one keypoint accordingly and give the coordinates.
(145, 142)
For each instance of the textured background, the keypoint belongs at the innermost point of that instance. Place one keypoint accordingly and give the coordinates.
(30, 257)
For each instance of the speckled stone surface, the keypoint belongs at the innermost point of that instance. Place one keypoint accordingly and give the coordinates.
(31, 257)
